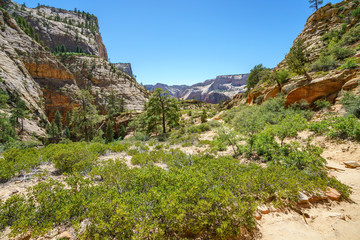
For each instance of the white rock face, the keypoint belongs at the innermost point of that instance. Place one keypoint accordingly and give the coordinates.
(223, 87)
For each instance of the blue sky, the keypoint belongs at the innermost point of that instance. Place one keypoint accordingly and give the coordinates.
(189, 41)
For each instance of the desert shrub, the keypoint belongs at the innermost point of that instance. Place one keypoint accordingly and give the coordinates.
(319, 127)
(69, 158)
(322, 104)
(204, 127)
(347, 127)
(16, 160)
(349, 64)
(141, 136)
(118, 147)
(197, 197)
(324, 63)
(214, 124)
(356, 12)
(341, 52)
(351, 36)
(303, 158)
(351, 103)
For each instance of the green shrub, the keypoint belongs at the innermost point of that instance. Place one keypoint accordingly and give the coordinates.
(324, 63)
(356, 12)
(341, 52)
(197, 197)
(351, 103)
(204, 127)
(17, 160)
(319, 127)
(141, 136)
(322, 104)
(347, 127)
(351, 36)
(349, 64)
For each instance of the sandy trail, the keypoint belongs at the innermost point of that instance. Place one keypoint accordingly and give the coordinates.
(330, 221)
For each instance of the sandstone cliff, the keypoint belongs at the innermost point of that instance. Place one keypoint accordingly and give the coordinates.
(125, 67)
(48, 83)
(77, 31)
(332, 25)
(222, 88)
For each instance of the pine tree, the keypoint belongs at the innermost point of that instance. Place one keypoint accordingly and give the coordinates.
(85, 118)
(297, 59)
(58, 120)
(315, 4)
(20, 112)
(109, 133)
(203, 116)
(67, 132)
(161, 110)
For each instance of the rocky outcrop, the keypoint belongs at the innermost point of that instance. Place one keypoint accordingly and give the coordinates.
(222, 88)
(125, 67)
(48, 83)
(56, 27)
(336, 19)
(322, 88)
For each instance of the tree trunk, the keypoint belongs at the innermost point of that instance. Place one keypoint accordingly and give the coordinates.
(307, 76)
(163, 123)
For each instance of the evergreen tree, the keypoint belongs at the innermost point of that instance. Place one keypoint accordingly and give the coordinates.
(254, 76)
(315, 4)
(297, 59)
(58, 120)
(115, 105)
(161, 110)
(109, 133)
(67, 132)
(203, 116)
(20, 112)
(85, 118)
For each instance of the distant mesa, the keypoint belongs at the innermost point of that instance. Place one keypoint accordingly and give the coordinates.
(222, 88)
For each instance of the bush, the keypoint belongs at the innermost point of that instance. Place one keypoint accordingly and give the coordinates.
(356, 12)
(351, 36)
(141, 136)
(351, 103)
(17, 160)
(322, 104)
(204, 127)
(319, 127)
(345, 128)
(324, 63)
(197, 197)
(349, 64)
(341, 52)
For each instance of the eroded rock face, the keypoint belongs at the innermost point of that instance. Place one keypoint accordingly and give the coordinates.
(48, 83)
(58, 27)
(321, 88)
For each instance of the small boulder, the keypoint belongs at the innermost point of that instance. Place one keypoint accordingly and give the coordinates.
(64, 235)
(332, 194)
(351, 164)
(263, 209)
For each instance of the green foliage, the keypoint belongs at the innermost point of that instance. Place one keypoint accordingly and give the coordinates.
(351, 36)
(196, 197)
(141, 136)
(255, 76)
(19, 112)
(322, 104)
(27, 28)
(349, 64)
(315, 4)
(17, 160)
(204, 127)
(161, 110)
(324, 63)
(356, 12)
(347, 127)
(351, 103)
(341, 52)
(85, 118)
(115, 105)
(109, 133)
(297, 59)
(203, 116)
